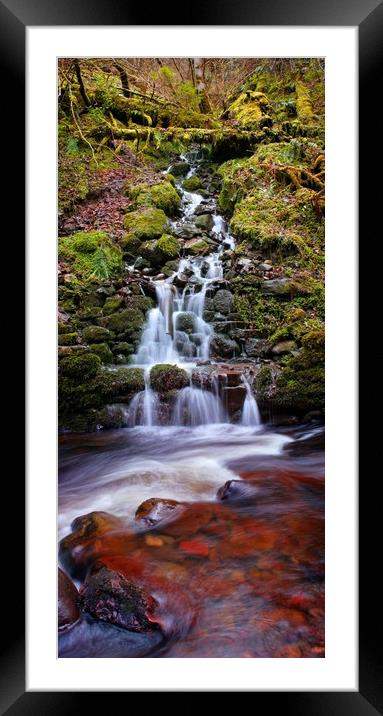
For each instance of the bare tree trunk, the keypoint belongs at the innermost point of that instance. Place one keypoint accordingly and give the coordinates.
(124, 79)
(200, 85)
(81, 83)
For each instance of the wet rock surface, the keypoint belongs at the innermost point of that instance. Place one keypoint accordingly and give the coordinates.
(68, 610)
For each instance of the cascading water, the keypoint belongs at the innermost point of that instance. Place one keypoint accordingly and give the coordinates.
(195, 406)
(250, 410)
(176, 332)
(143, 409)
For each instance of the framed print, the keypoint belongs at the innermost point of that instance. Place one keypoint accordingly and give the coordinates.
(189, 386)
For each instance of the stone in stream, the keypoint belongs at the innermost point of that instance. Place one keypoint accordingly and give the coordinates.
(75, 550)
(180, 280)
(179, 168)
(111, 597)
(157, 509)
(68, 611)
(233, 398)
(234, 490)
(185, 322)
(204, 208)
(186, 231)
(196, 246)
(204, 221)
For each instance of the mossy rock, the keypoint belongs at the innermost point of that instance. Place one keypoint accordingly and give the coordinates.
(143, 303)
(67, 339)
(121, 382)
(196, 247)
(299, 385)
(249, 109)
(64, 327)
(143, 225)
(165, 377)
(122, 347)
(112, 304)
(80, 367)
(168, 246)
(179, 168)
(169, 268)
(192, 183)
(91, 255)
(89, 313)
(103, 351)
(96, 334)
(124, 323)
(161, 196)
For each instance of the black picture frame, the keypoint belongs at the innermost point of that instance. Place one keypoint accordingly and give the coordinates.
(15, 17)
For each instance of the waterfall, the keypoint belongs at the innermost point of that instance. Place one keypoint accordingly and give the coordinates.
(143, 408)
(195, 406)
(176, 332)
(250, 411)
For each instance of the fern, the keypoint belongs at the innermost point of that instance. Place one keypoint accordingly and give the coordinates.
(100, 264)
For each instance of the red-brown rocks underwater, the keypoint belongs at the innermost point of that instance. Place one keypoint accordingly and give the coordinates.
(192, 542)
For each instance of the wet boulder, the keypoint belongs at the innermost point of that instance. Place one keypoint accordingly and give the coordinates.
(193, 183)
(204, 221)
(196, 246)
(157, 509)
(180, 280)
(223, 300)
(179, 168)
(224, 347)
(185, 322)
(165, 377)
(68, 611)
(74, 554)
(110, 596)
(238, 490)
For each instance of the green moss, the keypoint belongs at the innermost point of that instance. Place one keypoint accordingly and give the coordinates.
(90, 255)
(112, 304)
(103, 351)
(169, 268)
(301, 383)
(123, 348)
(165, 377)
(121, 382)
(89, 313)
(143, 303)
(161, 196)
(303, 102)
(125, 323)
(168, 246)
(192, 184)
(96, 334)
(249, 109)
(64, 327)
(142, 225)
(198, 247)
(79, 367)
(67, 339)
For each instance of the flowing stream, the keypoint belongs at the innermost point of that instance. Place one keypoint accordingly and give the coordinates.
(239, 573)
